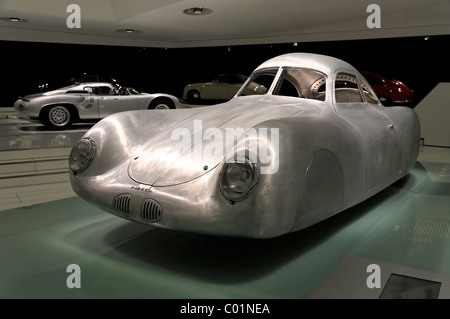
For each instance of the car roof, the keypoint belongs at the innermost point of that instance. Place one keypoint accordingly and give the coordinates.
(319, 62)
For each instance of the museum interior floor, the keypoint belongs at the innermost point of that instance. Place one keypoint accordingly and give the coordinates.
(404, 231)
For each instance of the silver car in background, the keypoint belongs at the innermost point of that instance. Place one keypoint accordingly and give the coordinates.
(81, 102)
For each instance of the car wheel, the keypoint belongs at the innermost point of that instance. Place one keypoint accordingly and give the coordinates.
(193, 96)
(58, 117)
(162, 104)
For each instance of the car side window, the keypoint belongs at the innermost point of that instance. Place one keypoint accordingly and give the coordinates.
(221, 79)
(103, 90)
(259, 83)
(89, 89)
(368, 92)
(301, 83)
(346, 89)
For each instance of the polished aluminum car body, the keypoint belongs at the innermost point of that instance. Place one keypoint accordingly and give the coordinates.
(324, 143)
(81, 102)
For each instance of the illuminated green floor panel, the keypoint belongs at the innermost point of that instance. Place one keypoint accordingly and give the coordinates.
(417, 234)
(120, 259)
(417, 231)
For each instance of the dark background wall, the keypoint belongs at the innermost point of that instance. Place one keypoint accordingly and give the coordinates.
(419, 62)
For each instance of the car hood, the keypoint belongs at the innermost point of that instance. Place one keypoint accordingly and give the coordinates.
(183, 152)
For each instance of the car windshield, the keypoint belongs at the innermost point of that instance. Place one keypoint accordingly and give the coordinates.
(133, 91)
(294, 82)
(127, 91)
(301, 83)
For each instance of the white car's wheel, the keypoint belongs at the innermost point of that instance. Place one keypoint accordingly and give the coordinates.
(162, 104)
(58, 117)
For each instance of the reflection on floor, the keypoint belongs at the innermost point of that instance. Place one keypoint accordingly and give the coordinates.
(403, 232)
(18, 134)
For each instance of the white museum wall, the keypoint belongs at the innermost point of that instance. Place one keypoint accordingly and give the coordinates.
(434, 116)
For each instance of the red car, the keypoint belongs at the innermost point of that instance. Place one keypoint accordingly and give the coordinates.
(389, 91)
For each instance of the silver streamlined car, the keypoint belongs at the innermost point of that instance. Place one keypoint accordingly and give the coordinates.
(260, 165)
(87, 101)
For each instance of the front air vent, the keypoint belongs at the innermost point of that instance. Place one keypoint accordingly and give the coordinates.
(122, 203)
(151, 211)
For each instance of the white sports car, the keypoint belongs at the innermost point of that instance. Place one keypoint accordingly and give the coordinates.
(83, 102)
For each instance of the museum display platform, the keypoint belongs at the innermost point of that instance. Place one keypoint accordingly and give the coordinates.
(404, 230)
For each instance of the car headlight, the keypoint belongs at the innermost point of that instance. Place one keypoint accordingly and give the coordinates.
(238, 179)
(82, 155)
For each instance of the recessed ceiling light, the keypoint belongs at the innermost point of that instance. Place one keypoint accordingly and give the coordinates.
(197, 11)
(128, 31)
(13, 19)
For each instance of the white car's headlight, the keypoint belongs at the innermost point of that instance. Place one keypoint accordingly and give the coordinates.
(82, 155)
(238, 179)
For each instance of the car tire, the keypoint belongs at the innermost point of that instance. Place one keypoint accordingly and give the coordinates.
(58, 117)
(161, 104)
(193, 96)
